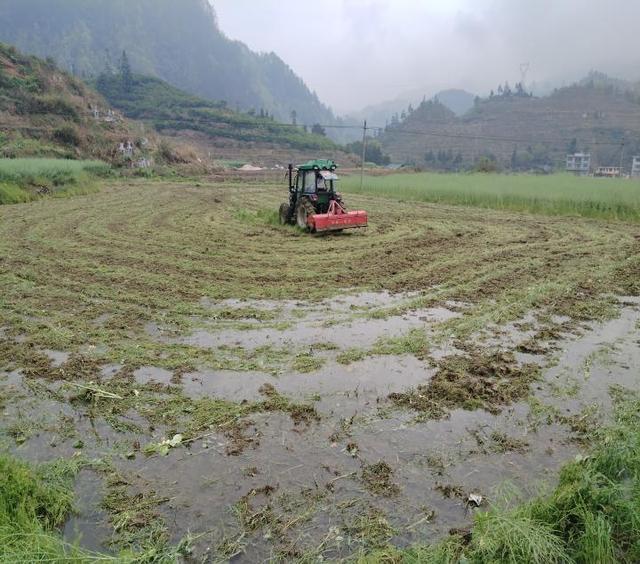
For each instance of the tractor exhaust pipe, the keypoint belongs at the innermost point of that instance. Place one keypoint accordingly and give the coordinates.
(290, 177)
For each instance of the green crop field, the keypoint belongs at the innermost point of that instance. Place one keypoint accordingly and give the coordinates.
(227, 385)
(22, 180)
(558, 194)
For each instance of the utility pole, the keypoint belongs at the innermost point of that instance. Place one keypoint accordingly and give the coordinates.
(524, 69)
(621, 157)
(364, 153)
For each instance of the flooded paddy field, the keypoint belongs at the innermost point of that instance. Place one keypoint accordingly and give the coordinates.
(257, 393)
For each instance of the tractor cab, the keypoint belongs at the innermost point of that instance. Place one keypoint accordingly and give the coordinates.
(314, 203)
(319, 186)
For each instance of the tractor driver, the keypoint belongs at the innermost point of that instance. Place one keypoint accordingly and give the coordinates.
(320, 184)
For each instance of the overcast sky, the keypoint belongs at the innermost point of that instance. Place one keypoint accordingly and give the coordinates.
(358, 52)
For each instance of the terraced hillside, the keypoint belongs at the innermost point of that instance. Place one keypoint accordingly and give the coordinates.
(45, 112)
(522, 132)
(214, 127)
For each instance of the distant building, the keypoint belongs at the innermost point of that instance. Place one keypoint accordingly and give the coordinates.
(579, 163)
(635, 169)
(608, 172)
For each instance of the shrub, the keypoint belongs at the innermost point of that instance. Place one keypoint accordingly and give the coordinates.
(55, 105)
(67, 135)
(486, 165)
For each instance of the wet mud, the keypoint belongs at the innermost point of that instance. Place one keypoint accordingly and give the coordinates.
(388, 447)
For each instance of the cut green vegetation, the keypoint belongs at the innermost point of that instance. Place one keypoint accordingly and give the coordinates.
(96, 271)
(474, 381)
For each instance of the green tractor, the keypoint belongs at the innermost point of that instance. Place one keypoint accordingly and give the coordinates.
(314, 204)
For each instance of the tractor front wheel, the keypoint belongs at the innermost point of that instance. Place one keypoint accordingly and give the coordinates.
(303, 212)
(284, 214)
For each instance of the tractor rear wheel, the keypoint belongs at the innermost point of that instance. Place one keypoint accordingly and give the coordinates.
(284, 214)
(304, 210)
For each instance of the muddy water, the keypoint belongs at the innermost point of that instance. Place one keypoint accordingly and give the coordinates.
(367, 380)
(346, 322)
(457, 454)
(317, 467)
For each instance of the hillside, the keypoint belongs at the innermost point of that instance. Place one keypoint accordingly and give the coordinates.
(178, 41)
(458, 101)
(45, 112)
(520, 131)
(170, 110)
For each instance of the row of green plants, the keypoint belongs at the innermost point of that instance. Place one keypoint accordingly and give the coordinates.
(559, 194)
(24, 180)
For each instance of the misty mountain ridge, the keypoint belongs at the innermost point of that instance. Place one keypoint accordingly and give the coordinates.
(179, 42)
(457, 100)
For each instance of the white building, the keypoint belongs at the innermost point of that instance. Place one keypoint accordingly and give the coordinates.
(635, 169)
(579, 163)
(608, 172)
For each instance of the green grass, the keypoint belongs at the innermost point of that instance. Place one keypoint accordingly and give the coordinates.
(593, 514)
(36, 501)
(34, 504)
(23, 180)
(559, 194)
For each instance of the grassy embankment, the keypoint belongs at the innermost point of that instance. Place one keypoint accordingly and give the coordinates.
(593, 515)
(560, 194)
(24, 180)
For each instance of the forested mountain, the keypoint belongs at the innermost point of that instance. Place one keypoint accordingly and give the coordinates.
(176, 40)
(518, 131)
(458, 101)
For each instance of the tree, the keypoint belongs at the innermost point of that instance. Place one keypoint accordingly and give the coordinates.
(317, 129)
(126, 76)
(374, 153)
